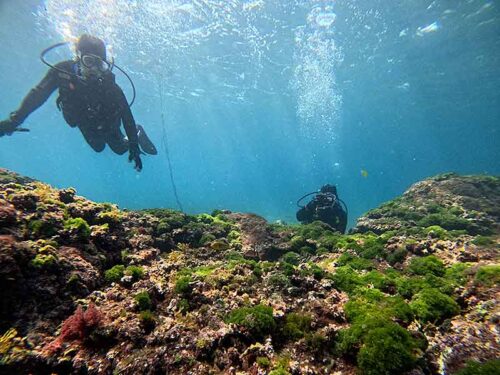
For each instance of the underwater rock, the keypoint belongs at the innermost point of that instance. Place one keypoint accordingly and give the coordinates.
(8, 177)
(453, 202)
(258, 241)
(8, 214)
(67, 195)
(413, 290)
(25, 200)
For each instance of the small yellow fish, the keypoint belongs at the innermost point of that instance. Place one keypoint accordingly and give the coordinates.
(364, 173)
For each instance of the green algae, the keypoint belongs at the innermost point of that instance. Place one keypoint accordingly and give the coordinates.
(216, 221)
(41, 228)
(456, 274)
(168, 219)
(182, 285)
(279, 280)
(430, 305)
(483, 241)
(279, 371)
(355, 262)
(312, 269)
(448, 221)
(184, 306)
(143, 301)
(379, 345)
(263, 362)
(282, 365)
(379, 280)
(430, 265)
(368, 301)
(44, 261)
(257, 319)
(316, 342)
(79, 226)
(115, 273)
(112, 218)
(436, 231)
(386, 350)
(204, 271)
(291, 258)
(137, 272)
(397, 256)
(346, 279)
(296, 326)
(206, 238)
(488, 275)
(476, 368)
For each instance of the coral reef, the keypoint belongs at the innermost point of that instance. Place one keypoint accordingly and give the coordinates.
(88, 288)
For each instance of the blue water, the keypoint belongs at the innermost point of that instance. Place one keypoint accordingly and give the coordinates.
(265, 101)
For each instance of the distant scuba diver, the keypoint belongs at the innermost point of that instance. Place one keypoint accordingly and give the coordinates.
(89, 99)
(326, 207)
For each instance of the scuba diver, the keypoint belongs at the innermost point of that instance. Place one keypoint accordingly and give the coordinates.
(326, 207)
(89, 99)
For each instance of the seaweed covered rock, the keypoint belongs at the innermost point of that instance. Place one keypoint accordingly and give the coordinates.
(8, 177)
(89, 288)
(48, 256)
(455, 203)
(257, 239)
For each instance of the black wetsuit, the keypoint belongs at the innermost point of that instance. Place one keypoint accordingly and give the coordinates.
(96, 107)
(324, 207)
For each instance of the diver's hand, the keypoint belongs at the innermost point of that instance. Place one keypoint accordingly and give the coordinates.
(135, 155)
(7, 127)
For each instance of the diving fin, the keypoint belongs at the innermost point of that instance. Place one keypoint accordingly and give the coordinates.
(144, 142)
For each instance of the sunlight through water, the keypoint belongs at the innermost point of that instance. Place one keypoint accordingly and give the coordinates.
(224, 44)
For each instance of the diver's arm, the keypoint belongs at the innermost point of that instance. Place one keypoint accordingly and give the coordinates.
(36, 97)
(127, 118)
(131, 130)
(313, 203)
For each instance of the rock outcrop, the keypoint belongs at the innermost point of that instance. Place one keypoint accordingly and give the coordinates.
(89, 288)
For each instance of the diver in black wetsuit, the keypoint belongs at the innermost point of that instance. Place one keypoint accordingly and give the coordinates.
(89, 99)
(326, 207)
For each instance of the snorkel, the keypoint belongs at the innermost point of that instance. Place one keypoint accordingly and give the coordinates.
(89, 66)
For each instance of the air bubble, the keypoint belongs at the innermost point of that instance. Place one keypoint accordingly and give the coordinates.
(326, 19)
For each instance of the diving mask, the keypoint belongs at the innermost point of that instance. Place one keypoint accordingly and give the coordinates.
(95, 63)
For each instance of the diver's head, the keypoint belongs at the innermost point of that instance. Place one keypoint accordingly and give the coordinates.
(90, 45)
(329, 189)
(91, 55)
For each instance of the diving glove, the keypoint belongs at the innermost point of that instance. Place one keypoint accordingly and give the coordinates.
(7, 127)
(135, 155)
